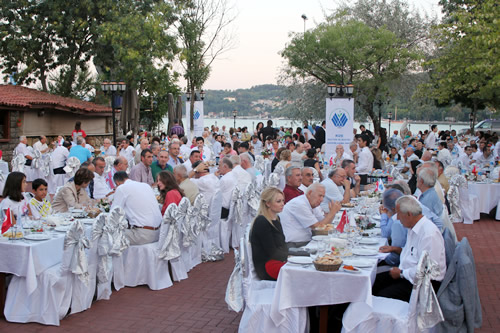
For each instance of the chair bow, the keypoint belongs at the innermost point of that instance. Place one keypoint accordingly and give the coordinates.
(2, 176)
(118, 224)
(451, 171)
(183, 218)
(428, 311)
(45, 165)
(201, 208)
(102, 233)
(18, 163)
(36, 162)
(259, 163)
(234, 291)
(79, 264)
(253, 199)
(456, 182)
(169, 248)
(72, 165)
(236, 210)
(110, 160)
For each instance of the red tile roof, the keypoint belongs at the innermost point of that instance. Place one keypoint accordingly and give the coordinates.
(23, 97)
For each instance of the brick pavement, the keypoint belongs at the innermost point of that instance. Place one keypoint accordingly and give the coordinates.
(197, 304)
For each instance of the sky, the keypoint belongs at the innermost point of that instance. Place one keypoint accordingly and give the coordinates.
(261, 31)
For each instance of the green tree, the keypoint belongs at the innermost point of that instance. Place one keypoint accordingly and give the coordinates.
(203, 32)
(465, 68)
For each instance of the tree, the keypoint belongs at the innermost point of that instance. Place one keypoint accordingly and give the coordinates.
(202, 30)
(465, 68)
(370, 43)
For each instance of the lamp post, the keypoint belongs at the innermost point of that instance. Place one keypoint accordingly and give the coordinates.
(304, 17)
(235, 113)
(340, 90)
(113, 87)
(389, 115)
(471, 119)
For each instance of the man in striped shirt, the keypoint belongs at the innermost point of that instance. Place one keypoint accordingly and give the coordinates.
(177, 129)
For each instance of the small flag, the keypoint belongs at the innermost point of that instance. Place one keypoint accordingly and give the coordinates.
(343, 221)
(7, 222)
(379, 186)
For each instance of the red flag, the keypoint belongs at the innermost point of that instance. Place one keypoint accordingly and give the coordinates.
(343, 221)
(7, 222)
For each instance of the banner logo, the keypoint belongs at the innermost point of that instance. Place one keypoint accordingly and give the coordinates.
(340, 118)
(196, 115)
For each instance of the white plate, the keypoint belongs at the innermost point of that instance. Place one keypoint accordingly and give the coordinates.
(36, 237)
(300, 260)
(320, 238)
(61, 228)
(88, 221)
(376, 217)
(355, 271)
(359, 262)
(369, 241)
(365, 252)
(77, 211)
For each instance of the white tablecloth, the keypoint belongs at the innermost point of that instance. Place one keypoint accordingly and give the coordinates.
(299, 286)
(30, 258)
(488, 194)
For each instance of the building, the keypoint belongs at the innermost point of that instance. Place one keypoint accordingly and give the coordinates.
(30, 112)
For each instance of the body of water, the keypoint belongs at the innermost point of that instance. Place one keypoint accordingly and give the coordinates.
(252, 123)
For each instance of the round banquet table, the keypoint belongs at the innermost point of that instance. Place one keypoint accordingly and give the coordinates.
(488, 194)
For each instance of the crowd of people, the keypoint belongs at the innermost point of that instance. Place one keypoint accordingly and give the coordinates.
(148, 173)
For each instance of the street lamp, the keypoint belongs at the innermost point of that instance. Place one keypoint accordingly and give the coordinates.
(113, 87)
(339, 90)
(202, 94)
(304, 17)
(235, 113)
(389, 115)
(471, 119)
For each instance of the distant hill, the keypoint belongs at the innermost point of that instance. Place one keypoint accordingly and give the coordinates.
(255, 101)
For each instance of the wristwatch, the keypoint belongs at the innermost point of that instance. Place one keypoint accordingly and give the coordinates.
(401, 274)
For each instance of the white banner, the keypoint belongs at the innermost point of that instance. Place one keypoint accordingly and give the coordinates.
(197, 117)
(339, 124)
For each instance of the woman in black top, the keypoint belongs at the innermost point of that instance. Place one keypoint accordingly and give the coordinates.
(312, 162)
(412, 183)
(269, 250)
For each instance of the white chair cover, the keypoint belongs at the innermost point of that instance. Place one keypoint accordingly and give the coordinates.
(54, 296)
(109, 163)
(463, 206)
(187, 223)
(451, 171)
(18, 162)
(211, 243)
(447, 223)
(4, 173)
(169, 248)
(390, 315)
(236, 219)
(260, 164)
(141, 264)
(72, 166)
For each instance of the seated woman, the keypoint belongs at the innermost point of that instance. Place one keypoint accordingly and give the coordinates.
(312, 161)
(394, 156)
(269, 250)
(73, 193)
(13, 195)
(170, 192)
(39, 206)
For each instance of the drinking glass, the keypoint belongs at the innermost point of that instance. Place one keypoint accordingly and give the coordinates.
(321, 248)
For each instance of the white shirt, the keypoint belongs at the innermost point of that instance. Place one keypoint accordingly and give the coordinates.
(139, 203)
(188, 165)
(297, 160)
(206, 154)
(430, 140)
(242, 176)
(207, 185)
(101, 186)
(365, 161)
(22, 149)
(297, 218)
(476, 155)
(333, 192)
(59, 157)
(257, 147)
(40, 146)
(465, 160)
(89, 147)
(128, 153)
(217, 148)
(444, 156)
(423, 236)
(485, 161)
(226, 185)
(111, 151)
(185, 151)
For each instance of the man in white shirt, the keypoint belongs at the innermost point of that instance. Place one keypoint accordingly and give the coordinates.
(307, 178)
(107, 148)
(241, 175)
(173, 154)
(194, 156)
(303, 213)
(365, 160)
(22, 149)
(337, 188)
(144, 143)
(141, 209)
(120, 164)
(184, 149)
(444, 154)
(485, 158)
(216, 146)
(298, 156)
(41, 145)
(257, 145)
(101, 188)
(206, 153)
(423, 235)
(402, 151)
(431, 139)
(339, 156)
(247, 163)
(58, 162)
(464, 159)
(207, 183)
(126, 150)
(226, 184)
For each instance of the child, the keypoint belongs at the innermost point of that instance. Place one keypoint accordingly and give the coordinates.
(14, 199)
(39, 206)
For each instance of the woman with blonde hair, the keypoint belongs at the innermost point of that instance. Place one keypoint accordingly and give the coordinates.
(269, 250)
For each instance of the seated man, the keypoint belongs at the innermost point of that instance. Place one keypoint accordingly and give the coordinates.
(307, 178)
(187, 186)
(293, 177)
(334, 186)
(350, 168)
(392, 228)
(141, 209)
(207, 182)
(142, 172)
(303, 213)
(423, 235)
(425, 182)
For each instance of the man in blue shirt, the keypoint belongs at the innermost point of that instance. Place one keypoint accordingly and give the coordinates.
(392, 228)
(79, 151)
(426, 180)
